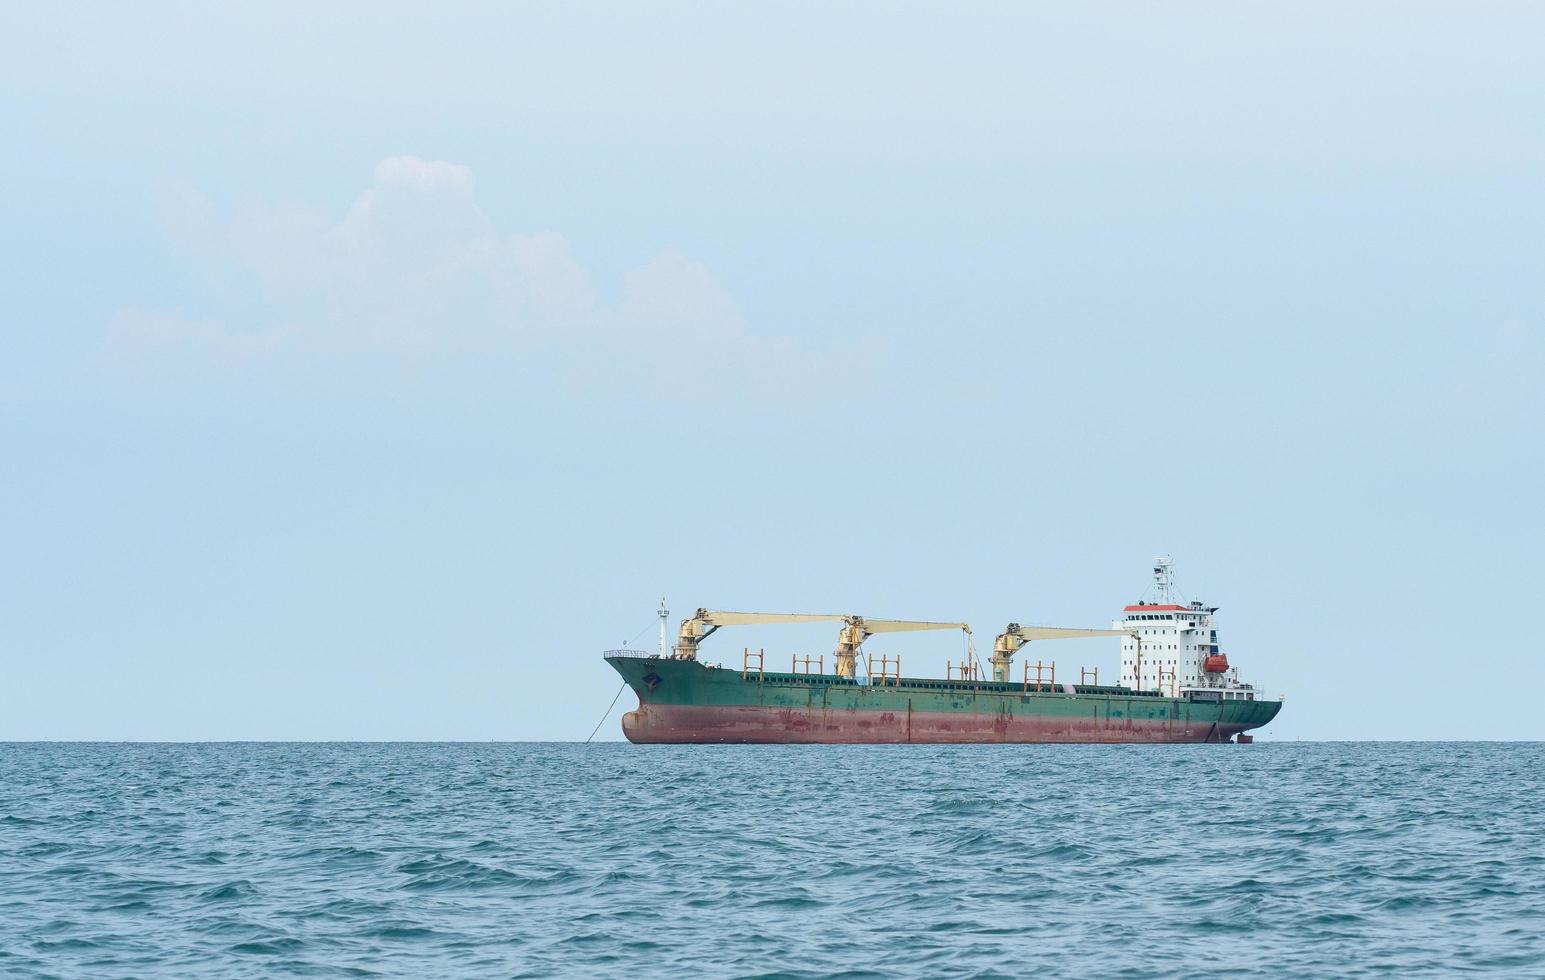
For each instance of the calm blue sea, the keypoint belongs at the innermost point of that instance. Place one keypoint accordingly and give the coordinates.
(528, 860)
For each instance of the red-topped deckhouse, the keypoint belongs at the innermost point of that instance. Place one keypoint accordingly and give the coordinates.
(1174, 648)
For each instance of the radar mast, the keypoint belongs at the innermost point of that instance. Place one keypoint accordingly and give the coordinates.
(1163, 579)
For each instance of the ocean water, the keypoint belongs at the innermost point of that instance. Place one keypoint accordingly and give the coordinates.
(531, 860)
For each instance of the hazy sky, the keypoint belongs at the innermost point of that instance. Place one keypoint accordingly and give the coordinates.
(365, 372)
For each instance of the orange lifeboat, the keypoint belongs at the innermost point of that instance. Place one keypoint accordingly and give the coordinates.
(1216, 664)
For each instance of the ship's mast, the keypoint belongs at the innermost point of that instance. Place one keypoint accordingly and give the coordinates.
(664, 615)
(1163, 578)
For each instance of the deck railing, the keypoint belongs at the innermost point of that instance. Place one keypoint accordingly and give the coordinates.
(635, 653)
(889, 673)
(745, 664)
(1041, 675)
(890, 670)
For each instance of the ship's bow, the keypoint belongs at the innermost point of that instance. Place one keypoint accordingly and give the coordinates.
(642, 674)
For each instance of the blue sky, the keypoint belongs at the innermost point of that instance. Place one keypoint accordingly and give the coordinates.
(365, 372)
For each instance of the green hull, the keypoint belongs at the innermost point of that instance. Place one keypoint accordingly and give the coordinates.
(686, 701)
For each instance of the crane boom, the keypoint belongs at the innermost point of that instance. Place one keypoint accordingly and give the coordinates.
(1015, 636)
(855, 629)
(716, 617)
(858, 629)
(906, 625)
(1028, 633)
(705, 622)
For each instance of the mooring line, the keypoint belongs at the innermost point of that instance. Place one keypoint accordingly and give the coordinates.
(608, 712)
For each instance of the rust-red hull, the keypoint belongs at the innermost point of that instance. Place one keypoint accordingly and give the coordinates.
(661, 723)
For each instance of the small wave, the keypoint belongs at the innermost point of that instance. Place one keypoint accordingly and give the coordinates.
(1336, 919)
(796, 862)
(65, 945)
(400, 932)
(229, 892)
(268, 947)
(790, 903)
(450, 875)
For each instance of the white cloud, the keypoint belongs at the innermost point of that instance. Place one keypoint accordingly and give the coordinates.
(676, 320)
(414, 264)
(281, 244)
(187, 214)
(671, 295)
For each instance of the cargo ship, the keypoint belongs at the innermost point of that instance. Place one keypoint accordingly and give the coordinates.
(1175, 684)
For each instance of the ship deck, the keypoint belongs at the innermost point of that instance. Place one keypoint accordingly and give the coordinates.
(802, 679)
(939, 684)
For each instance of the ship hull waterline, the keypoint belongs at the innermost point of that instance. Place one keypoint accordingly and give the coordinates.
(688, 702)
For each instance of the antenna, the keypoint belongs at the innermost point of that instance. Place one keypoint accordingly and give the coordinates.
(1163, 579)
(665, 614)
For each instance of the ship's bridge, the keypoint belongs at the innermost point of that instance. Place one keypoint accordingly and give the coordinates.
(1173, 646)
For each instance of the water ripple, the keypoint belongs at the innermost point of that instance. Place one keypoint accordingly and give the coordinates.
(777, 862)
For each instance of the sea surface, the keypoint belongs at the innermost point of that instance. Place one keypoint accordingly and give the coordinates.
(613, 860)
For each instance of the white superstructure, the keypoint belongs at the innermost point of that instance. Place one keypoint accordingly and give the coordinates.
(1175, 647)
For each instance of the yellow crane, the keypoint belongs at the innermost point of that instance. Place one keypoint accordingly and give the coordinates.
(858, 629)
(1015, 636)
(855, 630)
(705, 622)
